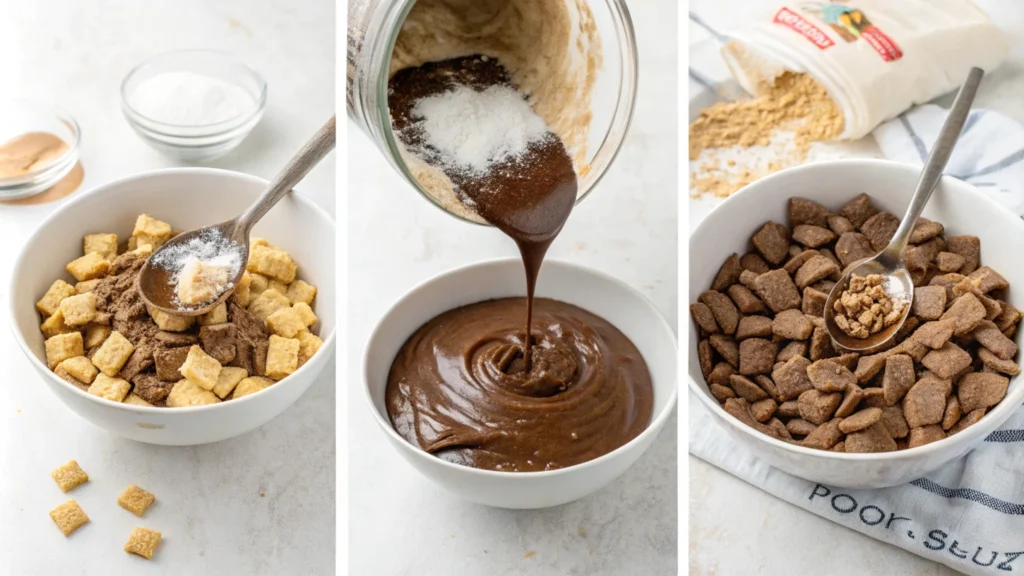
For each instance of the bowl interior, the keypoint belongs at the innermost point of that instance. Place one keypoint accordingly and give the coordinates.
(960, 207)
(603, 295)
(186, 199)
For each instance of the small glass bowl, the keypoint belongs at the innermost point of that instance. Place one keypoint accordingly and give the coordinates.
(204, 142)
(19, 117)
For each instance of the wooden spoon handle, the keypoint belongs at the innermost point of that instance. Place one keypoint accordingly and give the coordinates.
(309, 156)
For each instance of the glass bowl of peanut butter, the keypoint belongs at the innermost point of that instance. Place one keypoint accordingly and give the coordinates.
(38, 147)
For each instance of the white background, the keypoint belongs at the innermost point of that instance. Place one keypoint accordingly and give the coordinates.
(400, 523)
(260, 504)
(736, 528)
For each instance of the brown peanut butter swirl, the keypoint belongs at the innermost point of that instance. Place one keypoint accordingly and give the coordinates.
(459, 388)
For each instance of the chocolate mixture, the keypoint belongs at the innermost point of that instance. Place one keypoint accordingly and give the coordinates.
(469, 386)
(454, 389)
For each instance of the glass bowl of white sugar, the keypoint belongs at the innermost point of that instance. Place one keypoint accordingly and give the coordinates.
(193, 105)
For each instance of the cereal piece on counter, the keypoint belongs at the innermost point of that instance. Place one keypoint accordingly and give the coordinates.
(777, 290)
(200, 368)
(874, 438)
(135, 500)
(268, 302)
(981, 390)
(725, 346)
(186, 393)
(969, 247)
(792, 324)
(925, 403)
(272, 263)
(149, 230)
(78, 310)
(757, 356)
(858, 210)
(751, 327)
(69, 517)
(88, 267)
(242, 289)
(830, 376)
(113, 354)
(170, 322)
(813, 236)
(772, 241)
(113, 389)
(251, 385)
(63, 346)
(81, 368)
(220, 341)
(299, 291)
(69, 476)
(287, 322)
(55, 326)
(309, 344)
(791, 378)
(925, 435)
(929, 302)
(135, 400)
(968, 312)
(282, 357)
(704, 318)
(96, 334)
(142, 542)
(50, 302)
(745, 300)
(802, 211)
(949, 262)
(218, 315)
(227, 380)
(103, 244)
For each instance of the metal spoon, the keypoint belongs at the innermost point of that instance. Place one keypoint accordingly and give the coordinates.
(891, 263)
(154, 282)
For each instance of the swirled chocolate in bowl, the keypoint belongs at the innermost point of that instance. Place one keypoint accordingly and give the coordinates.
(459, 388)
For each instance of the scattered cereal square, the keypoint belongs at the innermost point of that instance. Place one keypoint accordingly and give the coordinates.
(50, 301)
(306, 313)
(218, 315)
(251, 385)
(187, 393)
(229, 378)
(69, 517)
(81, 368)
(78, 310)
(282, 357)
(88, 267)
(113, 389)
(69, 476)
(170, 322)
(200, 368)
(113, 354)
(268, 302)
(135, 500)
(300, 291)
(104, 244)
(286, 322)
(309, 344)
(143, 542)
(55, 326)
(272, 262)
(63, 346)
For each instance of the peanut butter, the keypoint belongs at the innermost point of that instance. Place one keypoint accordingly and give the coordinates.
(29, 152)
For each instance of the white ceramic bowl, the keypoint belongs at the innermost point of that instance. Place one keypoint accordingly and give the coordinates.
(187, 198)
(956, 204)
(599, 293)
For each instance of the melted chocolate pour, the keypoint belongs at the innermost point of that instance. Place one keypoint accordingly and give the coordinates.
(529, 198)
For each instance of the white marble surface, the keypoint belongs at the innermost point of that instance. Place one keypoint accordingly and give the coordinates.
(736, 528)
(400, 523)
(262, 503)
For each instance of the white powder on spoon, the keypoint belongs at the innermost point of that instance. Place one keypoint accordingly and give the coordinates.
(474, 129)
(202, 268)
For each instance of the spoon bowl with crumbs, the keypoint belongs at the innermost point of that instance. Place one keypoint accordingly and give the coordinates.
(870, 303)
(196, 271)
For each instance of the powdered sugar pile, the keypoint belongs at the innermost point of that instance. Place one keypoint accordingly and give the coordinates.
(210, 249)
(472, 129)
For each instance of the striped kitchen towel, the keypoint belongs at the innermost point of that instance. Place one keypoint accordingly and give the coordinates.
(969, 515)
